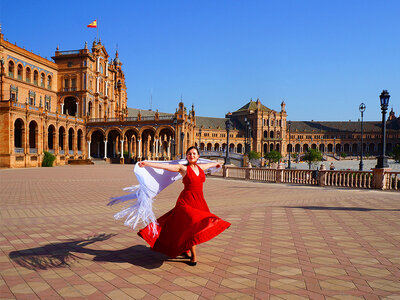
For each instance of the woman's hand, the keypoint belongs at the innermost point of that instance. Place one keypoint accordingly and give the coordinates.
(142, 164)
(218, 165)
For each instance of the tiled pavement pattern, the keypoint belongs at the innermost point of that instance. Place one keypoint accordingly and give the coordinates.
(58, 240)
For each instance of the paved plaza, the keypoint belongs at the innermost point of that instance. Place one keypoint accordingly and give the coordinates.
(58, 240)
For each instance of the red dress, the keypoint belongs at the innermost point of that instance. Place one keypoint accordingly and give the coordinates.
(189, 223)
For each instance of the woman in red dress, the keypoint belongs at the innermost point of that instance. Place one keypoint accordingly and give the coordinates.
(190, 222)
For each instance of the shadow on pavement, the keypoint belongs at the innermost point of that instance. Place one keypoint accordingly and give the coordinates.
(341, 208)
(56, 255)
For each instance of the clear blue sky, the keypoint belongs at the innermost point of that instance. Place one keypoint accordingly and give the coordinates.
(322, 57)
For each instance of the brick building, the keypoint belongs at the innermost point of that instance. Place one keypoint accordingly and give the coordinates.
(76, 108)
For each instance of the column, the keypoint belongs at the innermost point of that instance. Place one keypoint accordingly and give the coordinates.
(139, 154)
(105, 149)
(156, 148)
(89, 149)
(122, 148)
(62, 108)
(77, 108)
(169, 149)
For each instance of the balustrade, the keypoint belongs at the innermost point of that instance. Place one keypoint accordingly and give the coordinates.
(392, 181)
(353, 179)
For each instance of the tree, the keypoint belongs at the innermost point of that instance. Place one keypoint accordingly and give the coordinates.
(312, 156)
(48, 159)
(273, 156)
(396, 153)
(254, 155)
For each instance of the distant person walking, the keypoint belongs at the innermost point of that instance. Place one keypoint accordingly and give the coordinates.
(332, 166)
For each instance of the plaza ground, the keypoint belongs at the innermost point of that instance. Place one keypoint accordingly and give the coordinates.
(58, 240)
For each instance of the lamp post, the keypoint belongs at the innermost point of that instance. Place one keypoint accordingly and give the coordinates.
(249, 126)
(382, 160)
(200, 139)
(246, 135)
(182, 137)
(362, 108)
(290, 147)
(228, 128)
(173, 139)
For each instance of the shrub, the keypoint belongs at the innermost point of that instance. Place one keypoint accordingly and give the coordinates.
(254, 155)
(312, 156)
(48, 159)
(273, 156)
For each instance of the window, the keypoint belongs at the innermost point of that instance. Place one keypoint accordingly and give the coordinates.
(73, 84)
(49, 82)
(35, 77)
(66, 84)
(19, 72)
(11, 68)
(13, 93)
(42, 77)
(28, 75)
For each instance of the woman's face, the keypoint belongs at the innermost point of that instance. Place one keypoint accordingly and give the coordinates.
(192, 156)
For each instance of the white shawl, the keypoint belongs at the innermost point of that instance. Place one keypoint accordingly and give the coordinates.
(151, 182)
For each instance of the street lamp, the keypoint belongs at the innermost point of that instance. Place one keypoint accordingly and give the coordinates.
(182, 137)
(173, 139)
(228, 125)
(246, 135)
(249, 126)
(200, 139)
(362, 108)
(382, 160)
(290, 146)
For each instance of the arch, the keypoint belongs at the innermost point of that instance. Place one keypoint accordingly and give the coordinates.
(51, 134)
(113, 128)
(20, 71)
(28, 74)
(70, 106)
(354, 147)
(71, 134)
(11, 67)
(265, 147)
(209, 147)
(346, 148)
(314, 146)
(100, 111)
(289, 148)
(265, 134)
(297, 148)
(271, 134)
(271, 147)
(278, 147)
(147, 137)
(49, 82)
(97, 143)
(90, 109)
(18, 133)
(35, 77)
(33, 131)
(61, 135)
(239, 148)
(305, 147)
(126, 129)
(330, 148)
(371, 148)
(92, 130)
(231, 147)
(144, 128)
(321, 148)
(79, 139)
(216, 147)
(223, 147)
(338, 148)
(130, 136)
(42, 79)
(202, 147)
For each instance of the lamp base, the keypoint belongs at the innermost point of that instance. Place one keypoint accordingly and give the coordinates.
(382, 162)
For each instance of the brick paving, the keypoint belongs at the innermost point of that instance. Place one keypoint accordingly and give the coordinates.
(58, 240)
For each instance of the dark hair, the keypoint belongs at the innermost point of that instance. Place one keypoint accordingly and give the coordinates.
(193, 147)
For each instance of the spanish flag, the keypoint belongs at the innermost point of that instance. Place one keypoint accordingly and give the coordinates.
(93, 24)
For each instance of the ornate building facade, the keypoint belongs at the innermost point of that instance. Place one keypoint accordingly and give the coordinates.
(76, 108)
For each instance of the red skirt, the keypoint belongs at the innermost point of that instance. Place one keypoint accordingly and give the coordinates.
(189, 223)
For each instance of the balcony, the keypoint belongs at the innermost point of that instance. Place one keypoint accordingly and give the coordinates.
(33, 150)
(19, 150)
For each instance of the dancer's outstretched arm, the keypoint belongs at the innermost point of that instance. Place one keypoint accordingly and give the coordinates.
(209, 165)
(169, 167)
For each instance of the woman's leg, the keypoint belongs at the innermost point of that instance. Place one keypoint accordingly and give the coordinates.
(193, 250)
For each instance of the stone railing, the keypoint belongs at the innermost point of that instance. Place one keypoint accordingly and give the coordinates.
(392, 181)
(376, 179)
(353, 179)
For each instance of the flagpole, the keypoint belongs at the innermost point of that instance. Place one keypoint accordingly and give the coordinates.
(97, 27)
